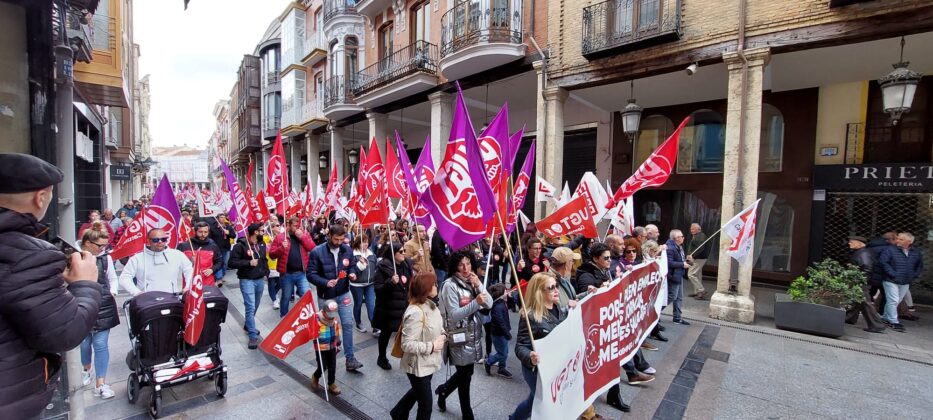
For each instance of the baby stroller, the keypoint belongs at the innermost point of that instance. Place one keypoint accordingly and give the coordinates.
(160, 357)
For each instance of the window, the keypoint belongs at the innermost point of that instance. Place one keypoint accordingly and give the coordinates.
(333, 60)
(702, 143)
(652, 131)
(500, 14)
(385, 41)
(319, 89)
(351, 52)
(772, 139)
(421, 22)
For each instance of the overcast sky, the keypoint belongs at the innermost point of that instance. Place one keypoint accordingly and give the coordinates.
(192, 57)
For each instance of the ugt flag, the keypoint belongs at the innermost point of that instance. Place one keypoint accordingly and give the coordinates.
(298, 327)
(741, 229)
(654, 171)
(194, 306)
(277, 176)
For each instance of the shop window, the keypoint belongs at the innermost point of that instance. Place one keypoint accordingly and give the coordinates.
(772, 139)
(652, 131)
(702, 143)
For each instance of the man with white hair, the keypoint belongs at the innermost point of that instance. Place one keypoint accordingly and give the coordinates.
(677, 267)
(652, 232)
(697, 253)
(901, 265)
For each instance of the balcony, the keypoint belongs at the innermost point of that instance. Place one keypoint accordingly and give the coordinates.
(312, 117)
(405, 72)
(372, 8)
(314, 50)
(618, 26)
(338, 98)
(334, 9)
(480, 35)
(79, 36)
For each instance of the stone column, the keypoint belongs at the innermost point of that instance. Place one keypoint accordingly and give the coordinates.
(313, 146)
(336, 150)
(740, 179)
(377, 130)
(553, 163)
(442, 111)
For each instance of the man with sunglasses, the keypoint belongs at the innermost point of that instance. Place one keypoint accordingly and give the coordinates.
(157, 268)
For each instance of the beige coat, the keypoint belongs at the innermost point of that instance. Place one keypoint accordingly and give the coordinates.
(417, 339)
(420, 263)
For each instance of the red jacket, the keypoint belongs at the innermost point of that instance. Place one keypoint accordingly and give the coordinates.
(87, 225)
(280, 251)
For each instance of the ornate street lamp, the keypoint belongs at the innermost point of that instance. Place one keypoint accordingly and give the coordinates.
(353, 156)
(322, 161)
(631, 115)
(898, 88)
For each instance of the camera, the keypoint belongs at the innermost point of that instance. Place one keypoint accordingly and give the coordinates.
(692, 69)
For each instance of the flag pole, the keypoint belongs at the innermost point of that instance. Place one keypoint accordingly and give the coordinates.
(704, 242)
(320, 358)
(518, 282)
(489, 257)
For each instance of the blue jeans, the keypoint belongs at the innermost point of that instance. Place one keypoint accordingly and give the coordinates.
(288, 282)
(501, 343)
(523, 411)
(363, 294)
(97, 340)
(345, 311)
(893, 293)
(274, 288)
(441, 277)
(252, 295)
(219, 275)
(675, 296)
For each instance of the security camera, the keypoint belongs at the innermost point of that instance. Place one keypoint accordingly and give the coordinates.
(692, 69)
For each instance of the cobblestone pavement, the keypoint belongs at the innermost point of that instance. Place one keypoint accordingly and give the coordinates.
(706, 370)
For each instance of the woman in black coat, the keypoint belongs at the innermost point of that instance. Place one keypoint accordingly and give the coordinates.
(95, 240)
(391, 282)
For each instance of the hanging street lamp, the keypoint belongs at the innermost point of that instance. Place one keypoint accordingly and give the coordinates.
(631, 115)
(898, 88)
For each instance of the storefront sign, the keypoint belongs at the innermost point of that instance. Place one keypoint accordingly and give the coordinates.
(121, 172)
(912, 177)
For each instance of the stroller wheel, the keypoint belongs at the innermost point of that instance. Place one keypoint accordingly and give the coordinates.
(220, 384)
(132, 388)
(155, 404)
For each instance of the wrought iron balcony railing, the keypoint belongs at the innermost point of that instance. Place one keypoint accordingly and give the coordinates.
(79, 35)
(420, 56)
(334, 8)
(338, 90)
(629, 24)
(473, 22)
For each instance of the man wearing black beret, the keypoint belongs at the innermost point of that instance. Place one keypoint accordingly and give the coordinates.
(39, 316)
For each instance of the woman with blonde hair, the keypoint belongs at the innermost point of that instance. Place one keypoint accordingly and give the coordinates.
(544, 312)
(422, 342)
(95, 240)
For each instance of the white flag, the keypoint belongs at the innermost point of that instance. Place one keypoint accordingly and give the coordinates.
(623, 216)
(596, 198)
(544, 191)
(524, 219)
(564, 195)
(741, 229)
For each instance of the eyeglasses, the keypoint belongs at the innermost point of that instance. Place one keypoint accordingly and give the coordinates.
(98, 245)
(157, 240)
(606, 258)
(551, 288)
(631, 251)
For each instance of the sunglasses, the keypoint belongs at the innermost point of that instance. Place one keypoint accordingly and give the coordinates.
(551, 288)
(631, 251)
(157, 240)
(606, 258)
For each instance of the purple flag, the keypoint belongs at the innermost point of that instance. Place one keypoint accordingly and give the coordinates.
(424, 169)
(520, 190)
(460, 198)
(515, 142)
(163, 212)
(239, 211)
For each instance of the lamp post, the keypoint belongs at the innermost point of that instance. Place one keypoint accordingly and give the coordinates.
(353, 158)
(898, 88)
(631, 115)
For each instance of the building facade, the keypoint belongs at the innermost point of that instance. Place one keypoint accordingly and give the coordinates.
(183, 165)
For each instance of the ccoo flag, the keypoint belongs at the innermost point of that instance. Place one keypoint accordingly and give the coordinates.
(741, 229)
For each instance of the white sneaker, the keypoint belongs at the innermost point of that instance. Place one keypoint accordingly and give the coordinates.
(104, 392)
(651, 371)
(85, 377)
(275, 303)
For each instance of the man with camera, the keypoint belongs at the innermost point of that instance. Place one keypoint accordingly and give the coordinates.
(46, 308)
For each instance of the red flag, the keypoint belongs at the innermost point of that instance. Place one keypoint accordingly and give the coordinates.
(376, 208)
(262, 211)
(133, 239)
(299, 326)
(194, 306)
(185, 232)
(394, 175)
(277, 175)
(249, 178)
(571, 219)
(293, 203)
(375, 171)
(654, 171)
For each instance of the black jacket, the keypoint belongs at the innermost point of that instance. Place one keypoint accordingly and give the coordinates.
(221, 235)
(206, 246)
(539, 329)
(240, 258)
(108, 315)
(440, 253)
(391, 298)
(864, 259)
(501, 325)
(39, 316)
(590, 275)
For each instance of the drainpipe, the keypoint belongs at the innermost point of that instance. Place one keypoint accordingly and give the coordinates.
(738, 204)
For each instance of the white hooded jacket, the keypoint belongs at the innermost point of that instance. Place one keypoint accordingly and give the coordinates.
(156, 271)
